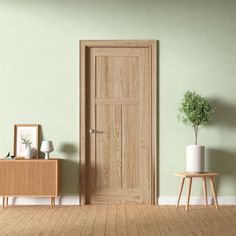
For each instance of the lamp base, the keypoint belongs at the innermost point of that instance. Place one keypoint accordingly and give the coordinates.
(46, 156)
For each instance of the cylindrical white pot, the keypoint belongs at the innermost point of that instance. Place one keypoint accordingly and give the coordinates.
(195, 158)
(28, 154)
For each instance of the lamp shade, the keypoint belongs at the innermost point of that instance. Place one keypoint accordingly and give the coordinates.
(46, 146)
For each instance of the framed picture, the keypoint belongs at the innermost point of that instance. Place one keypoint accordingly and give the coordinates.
(25, 135)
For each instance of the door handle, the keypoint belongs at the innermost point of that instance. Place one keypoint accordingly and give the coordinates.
(91, 131)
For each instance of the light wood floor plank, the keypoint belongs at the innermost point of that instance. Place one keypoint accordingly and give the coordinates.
(217, 222)
(160, 220)
(199, 216)
(18, 220)
(131, 221)
(114, 220)
(152, 227)
(181, 227)
(121, 228)
(111, 221)
(14, 218)
(99, 227)
(80, 220)
(61, 220)
(89, 222)
(70, 222)
(141, 223)
(189, 222)
(29, 225)
(228, 218)
(52, 224)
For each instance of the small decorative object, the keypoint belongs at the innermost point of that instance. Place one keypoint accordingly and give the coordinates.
(26, 141)
(196, 111)
(47, 147)
(9, 156)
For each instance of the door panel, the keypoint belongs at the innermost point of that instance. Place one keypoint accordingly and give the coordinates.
(119, 109)
(131, 149)
(108, 147)
(117, 77)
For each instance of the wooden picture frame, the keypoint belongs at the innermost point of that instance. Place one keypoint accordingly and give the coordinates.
(30, 131)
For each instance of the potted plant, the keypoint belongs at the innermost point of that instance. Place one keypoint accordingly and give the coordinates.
(196, 111)
(27, 142)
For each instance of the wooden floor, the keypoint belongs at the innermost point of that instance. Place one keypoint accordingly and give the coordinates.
(117, 220)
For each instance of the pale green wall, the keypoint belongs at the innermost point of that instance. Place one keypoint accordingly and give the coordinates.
(39, 74)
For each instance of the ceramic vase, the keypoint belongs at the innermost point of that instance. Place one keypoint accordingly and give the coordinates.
(28, 153)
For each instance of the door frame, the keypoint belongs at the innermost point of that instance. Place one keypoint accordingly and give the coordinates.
(83, 84)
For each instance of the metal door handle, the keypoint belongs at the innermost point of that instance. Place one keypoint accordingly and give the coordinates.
(91, 131)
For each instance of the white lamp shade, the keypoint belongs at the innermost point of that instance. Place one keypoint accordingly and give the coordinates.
(46, 146)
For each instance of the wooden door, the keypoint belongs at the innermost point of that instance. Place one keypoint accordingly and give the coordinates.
(119, 158)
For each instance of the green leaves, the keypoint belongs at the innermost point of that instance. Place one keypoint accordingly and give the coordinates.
(26, 142)
(195, 110)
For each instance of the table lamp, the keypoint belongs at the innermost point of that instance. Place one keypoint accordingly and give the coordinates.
(46, 147)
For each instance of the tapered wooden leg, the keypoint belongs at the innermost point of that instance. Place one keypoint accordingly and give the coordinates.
(188, 193)
(213, 191)
(3, 202)
(51, 203)
(205, 189)
(7, 201)
(180, 190)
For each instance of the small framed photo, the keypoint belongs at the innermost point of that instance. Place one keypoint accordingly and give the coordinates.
(25, 135)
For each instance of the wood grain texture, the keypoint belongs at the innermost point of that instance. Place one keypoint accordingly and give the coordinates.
(108, 147)
(29, 177)
(125, 220)
(131, 163)
(117, 76)
(117, 81)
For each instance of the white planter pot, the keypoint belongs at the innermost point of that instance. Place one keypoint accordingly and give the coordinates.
(28, 153)
(195, 155)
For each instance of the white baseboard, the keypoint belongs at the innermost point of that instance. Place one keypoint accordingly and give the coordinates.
(65, 200)
(74, 200)
(196, 200)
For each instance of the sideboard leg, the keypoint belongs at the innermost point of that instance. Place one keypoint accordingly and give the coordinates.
(51, 202)
(3, 202)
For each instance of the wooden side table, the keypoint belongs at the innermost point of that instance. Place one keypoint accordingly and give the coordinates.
(204, 176)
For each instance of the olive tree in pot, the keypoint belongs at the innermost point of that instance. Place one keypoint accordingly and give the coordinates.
(196, 111)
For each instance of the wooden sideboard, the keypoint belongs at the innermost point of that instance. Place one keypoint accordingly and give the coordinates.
(34, 178)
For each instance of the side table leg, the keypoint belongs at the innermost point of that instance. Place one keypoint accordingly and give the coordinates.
(213, 191)
(180, 190)
(205, 189)
(188, 193)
